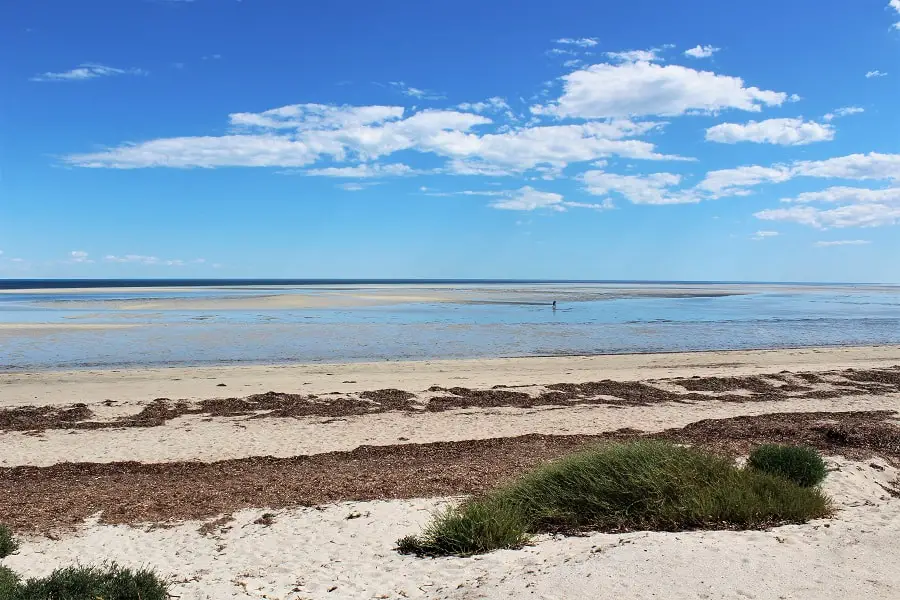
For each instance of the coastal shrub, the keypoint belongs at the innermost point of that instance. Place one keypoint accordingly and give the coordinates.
(9, 583)
(8, 543)
(109, 582)
(473, 528)
(804, 466)
(624, 487)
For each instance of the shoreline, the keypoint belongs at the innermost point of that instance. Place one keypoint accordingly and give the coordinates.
(134, 383)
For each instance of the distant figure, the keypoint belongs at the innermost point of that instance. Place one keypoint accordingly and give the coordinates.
(554, 305)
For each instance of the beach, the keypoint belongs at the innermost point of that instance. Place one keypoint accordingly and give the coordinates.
(295, 481)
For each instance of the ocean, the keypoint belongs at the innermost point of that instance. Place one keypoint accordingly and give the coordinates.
(62, 324)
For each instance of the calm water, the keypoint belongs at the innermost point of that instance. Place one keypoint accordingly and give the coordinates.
(595, 320)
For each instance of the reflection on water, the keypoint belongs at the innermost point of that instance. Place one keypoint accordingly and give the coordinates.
(769, 318)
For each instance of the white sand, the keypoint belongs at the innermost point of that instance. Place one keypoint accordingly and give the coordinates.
(204, 439)
(142, 385)
(319, 553)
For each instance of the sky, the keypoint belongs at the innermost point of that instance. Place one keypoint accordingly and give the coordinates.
(697, 140)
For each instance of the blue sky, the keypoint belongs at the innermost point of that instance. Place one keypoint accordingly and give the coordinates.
(701, 140)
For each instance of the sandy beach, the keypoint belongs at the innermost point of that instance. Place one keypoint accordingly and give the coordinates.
(176, 468)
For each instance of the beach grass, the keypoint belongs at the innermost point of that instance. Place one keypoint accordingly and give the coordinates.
(9, 583)
(804, 466)
(644, 485)
(8, 543)
(107, 582)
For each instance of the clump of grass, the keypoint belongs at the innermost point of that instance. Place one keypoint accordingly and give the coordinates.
(804, 466)
(109, 582)
(638, 486)
(473, 528)
(9, 583)
(8, 544)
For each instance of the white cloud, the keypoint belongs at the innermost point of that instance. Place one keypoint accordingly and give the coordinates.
(417, 93)
(79, 256)
(853, 215)
(853, 166)
(844, 111)
(86, 71)
(655, 188)
(734, 182)
(365, 170)
(582, 42)
(643, 88)
(495, 104)
(842, 243)
(784, 132)
(528, 199)
(761, 235)
(895, 4)
(701, 51)
(300, 135)
(875, 73)
(663, 188)
(306, 117)
(352, 187)
(843, 195)
(629, 56)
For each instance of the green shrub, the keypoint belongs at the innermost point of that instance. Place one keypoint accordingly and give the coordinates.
(8, 543)
(803, 466)
(642, 485)
(9, 583)
(109, 582)
(473, 528)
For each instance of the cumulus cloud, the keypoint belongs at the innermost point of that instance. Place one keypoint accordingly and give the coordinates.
(300, 135)
(852, 215)
(643, 88)
(655, 188)
(630, 56)
(895, 4)
(666, 188)
(871, 166)
(843, 195)
(844, 111)
(307, 117)
(701, 51)
(828, 244)
(581, 42)
(86, 71)
(528, 199)
(875, 73)
(784, 132)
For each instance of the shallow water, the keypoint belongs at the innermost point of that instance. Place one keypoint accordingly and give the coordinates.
(479, 321)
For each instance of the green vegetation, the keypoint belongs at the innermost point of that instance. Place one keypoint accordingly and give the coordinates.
(8, 543)
(9, 583)
(623, 487)
(110, 582)
(803, 466)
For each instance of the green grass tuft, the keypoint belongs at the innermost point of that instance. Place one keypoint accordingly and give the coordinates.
(8, 544)
(804, 466)
(9, 583)
(637, 486)
(109, 582)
